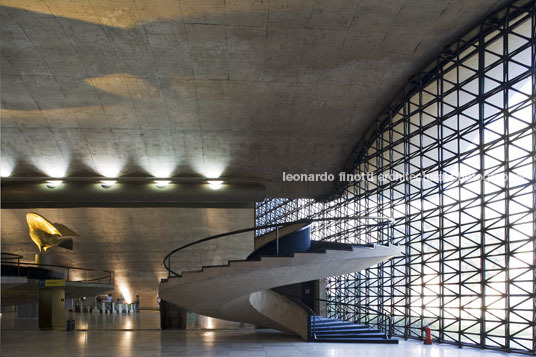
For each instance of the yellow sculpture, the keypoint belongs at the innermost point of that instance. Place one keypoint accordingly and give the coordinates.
(46, 235)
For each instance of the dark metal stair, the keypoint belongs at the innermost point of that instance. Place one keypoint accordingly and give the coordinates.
(332, 330)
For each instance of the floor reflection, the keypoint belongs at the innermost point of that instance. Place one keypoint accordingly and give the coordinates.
(195, 321)
(140, 335)
(250, 343)
(144, 320)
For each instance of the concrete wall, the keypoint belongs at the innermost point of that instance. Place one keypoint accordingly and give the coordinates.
(133, 241)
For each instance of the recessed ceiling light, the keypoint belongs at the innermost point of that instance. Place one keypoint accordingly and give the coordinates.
(162, 183)
(215, 185)
(108, 183)
(53, 183)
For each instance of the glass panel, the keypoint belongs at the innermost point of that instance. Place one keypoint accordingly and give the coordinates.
(466, 217)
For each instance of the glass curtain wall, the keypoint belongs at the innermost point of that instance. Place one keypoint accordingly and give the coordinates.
(453, 163)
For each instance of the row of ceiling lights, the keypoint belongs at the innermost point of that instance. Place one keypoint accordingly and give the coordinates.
(213, 184)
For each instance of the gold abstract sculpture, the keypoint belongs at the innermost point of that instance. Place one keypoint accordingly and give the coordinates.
(46, 235)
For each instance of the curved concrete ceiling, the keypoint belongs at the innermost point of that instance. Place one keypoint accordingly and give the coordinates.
(240, 88)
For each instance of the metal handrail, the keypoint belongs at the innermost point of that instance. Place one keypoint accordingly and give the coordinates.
(386, 318)
(167, 259)
(12, 256)
(8, 256)
(108, 275)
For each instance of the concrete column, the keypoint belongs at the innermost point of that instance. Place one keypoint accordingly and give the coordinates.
(52, 308)
(321, 306)
(171, 316)
(42, 258)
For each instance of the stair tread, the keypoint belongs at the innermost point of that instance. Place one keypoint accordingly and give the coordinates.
(353, 338)
(348, 331)
(358, 340)
(215, 266)
(372, 334)
(342, 326)
(333, 330)
(334, 325)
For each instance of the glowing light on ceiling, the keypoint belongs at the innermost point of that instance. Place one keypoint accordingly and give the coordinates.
(215, 184)
(211, 170)
(52, 166)
(53, 183)
(108, 183)
(159, 166)
(162, 183)
(108, 167)
(6, 168)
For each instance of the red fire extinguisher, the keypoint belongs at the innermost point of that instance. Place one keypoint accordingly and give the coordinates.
(428, 338)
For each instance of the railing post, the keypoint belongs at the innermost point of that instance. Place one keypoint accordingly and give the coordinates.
(169, 267)
(277, 240)
(314, 326)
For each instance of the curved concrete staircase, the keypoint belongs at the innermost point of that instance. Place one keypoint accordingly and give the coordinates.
(241, 290)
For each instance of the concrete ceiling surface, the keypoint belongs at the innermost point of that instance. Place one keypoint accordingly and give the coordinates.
(239, 88)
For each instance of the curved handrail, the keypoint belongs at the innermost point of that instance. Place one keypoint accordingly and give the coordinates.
(9, 256)
(167, 259)
(109, 277)
(37, 265)
(63, 266)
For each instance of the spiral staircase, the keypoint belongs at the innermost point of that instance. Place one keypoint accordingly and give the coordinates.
(242, 290)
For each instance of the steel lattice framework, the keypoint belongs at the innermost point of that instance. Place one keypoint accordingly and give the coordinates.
(458, 155)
